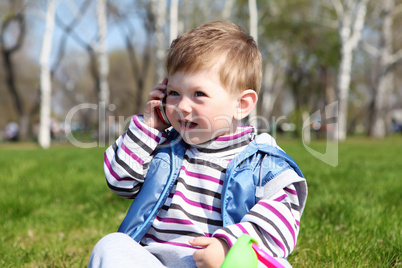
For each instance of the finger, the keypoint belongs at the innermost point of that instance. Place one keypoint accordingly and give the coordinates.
(201, 241)
(150, 106)
(156, 94)
(161, 85)
(154, 103)
(198, 255)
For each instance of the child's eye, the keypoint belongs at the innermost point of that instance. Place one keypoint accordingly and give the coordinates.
(173, 93)
(199, 94)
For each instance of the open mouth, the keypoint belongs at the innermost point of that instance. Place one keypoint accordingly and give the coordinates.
(187, 125)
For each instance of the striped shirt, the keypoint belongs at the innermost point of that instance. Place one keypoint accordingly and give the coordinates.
(193, 207)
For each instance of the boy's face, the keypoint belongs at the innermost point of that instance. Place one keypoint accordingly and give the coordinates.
(199, 107)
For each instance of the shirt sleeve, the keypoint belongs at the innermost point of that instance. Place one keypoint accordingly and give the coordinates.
(273, 222)
(127, 160)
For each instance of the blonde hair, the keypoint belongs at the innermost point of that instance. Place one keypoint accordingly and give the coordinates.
(240, 63)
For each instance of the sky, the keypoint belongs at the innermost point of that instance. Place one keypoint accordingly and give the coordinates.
(87, 28)
(67, 10)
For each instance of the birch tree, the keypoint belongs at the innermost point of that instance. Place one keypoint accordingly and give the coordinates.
(252, 6)
(173, 20)
(45, 77)
(273, 83)
(103, 67)
(351, 16)
(253, 16)
(159, 7)
(387, 60)
(274, 63)
(99, 63)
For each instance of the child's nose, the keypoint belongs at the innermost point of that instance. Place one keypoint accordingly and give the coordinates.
(184, 105)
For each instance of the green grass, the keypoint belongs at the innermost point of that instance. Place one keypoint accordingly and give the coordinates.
(55, 205)
(354, 211)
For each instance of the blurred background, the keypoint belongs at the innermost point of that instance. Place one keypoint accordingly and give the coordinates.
(73, 72)
(81, 68)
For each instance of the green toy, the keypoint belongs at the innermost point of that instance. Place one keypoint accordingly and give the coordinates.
(245, 253)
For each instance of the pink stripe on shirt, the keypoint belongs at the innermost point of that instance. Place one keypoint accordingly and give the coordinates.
(281, 217)
(280, 198)
(290, 190)
(172, 220)
(279, 243)
(130, 153)
(241, 227)
(114, 174)
(143, 129)
(219, 235)
(232, 137)
(201, 176)
(197, 204)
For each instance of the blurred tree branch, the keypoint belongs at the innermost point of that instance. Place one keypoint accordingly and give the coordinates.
(139, 72)
(14, 16)
(67, 29)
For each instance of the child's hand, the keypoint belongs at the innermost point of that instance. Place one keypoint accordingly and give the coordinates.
(154, 99)
(212, 255)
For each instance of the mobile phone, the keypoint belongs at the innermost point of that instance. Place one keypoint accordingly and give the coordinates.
(161, 112)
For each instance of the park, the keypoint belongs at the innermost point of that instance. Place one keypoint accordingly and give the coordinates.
(74, 73)
(55, 205)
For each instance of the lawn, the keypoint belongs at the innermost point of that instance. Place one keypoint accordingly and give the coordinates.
(55, 205)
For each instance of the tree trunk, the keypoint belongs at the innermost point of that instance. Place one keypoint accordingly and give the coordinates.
(160, 12)
(252, 5)
(384, 86)
(378, 124)
(344, 77)
(272, 85)
(45, 78)
(351, 24)
(174, 19)
(103, 70)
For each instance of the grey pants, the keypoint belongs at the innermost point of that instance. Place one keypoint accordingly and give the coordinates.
(120, 250)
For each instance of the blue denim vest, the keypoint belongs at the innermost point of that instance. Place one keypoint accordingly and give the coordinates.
(243, 176)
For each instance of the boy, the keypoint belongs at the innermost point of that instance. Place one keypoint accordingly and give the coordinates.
(201, 184)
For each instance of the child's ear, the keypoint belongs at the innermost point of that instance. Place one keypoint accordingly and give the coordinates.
(246, 103)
